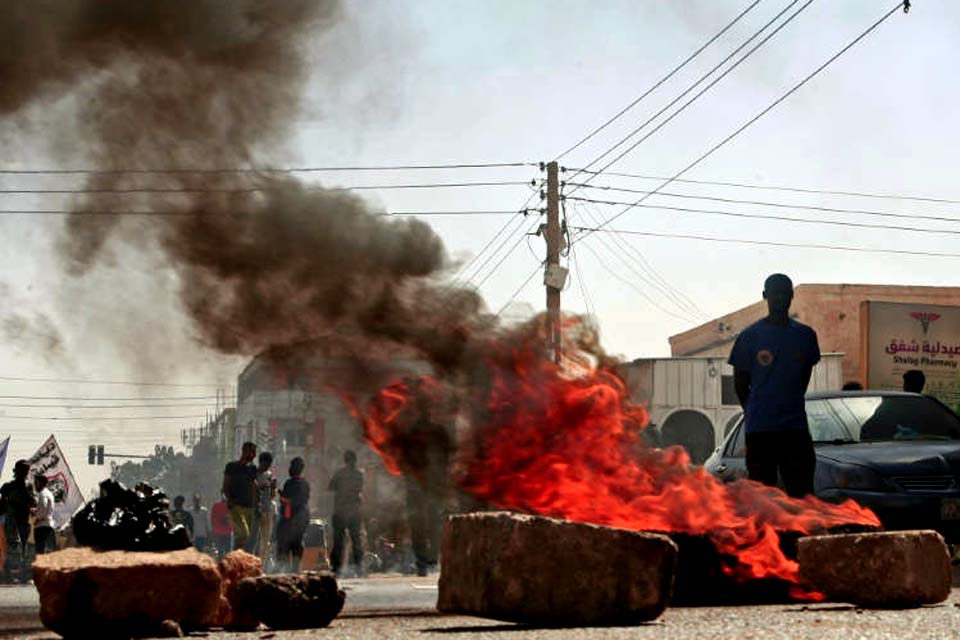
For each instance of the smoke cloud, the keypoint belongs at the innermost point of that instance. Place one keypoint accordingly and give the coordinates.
(261, 259)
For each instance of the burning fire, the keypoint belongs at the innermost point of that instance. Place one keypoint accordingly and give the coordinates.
(568, 446)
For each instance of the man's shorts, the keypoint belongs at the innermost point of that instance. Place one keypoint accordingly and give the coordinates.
(242, 518)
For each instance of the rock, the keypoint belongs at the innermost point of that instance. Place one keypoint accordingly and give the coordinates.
(125, 593)
(234, 567)
(292, 601)
(893, 569)
(551, 572)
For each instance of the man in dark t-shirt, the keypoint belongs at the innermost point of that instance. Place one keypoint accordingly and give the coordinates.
(16, 501)
(239, 489)
(294, 516)
(347, 487)
(772, 363)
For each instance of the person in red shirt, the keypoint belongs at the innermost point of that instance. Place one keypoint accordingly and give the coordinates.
(222, 527)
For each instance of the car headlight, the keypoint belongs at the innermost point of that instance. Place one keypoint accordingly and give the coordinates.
(853, 476)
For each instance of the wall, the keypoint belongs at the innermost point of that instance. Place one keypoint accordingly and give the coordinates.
(833, 310)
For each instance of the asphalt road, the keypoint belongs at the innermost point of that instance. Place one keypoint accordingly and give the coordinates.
(403, 607)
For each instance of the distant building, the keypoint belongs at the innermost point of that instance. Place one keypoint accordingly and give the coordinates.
(833, 310)
(692, 401)
(286, 404)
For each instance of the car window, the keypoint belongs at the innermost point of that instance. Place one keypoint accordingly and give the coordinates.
(736, 445)
(879, 418)
(826, 423)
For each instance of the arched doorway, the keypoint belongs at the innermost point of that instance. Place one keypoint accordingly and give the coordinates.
(692, 430)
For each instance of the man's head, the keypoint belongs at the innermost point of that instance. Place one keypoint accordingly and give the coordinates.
(296, 467)
(40, 482)
(778, 292)
(265, 460)
(853, 385)
(350, 458)
(196, 501)
(914, 381)
(178, 502)
(21, 470)
(248, 452)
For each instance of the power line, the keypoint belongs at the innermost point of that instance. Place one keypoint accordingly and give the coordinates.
(112, 382)
(163, 213)
(771, 243)
(102, 399)
(760, 216)
(508, 253)
(103, 406)
(660, 82)
(646, 296)
(104, 418)
(762, 113)
(698, 95)
(688, 310)
(254, 170)
(744, 185)
(784, 205)
(426, 185)
(519, 289)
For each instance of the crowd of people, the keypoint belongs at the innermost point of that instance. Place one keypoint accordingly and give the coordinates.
(25, 508)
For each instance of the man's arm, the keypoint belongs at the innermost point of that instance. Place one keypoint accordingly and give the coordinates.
(224, 486)
(741, 384)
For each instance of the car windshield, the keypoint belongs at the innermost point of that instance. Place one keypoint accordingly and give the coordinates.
(880, 418)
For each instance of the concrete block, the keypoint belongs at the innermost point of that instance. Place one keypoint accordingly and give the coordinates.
(550, 572)
(892, 569)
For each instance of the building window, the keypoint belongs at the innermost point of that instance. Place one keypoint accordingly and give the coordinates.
(728, 392)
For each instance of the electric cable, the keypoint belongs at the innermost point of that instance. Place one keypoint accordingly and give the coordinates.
(765, 111)
(660, 82)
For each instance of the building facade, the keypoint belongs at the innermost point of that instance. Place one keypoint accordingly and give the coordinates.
(833, 310)
(692, 401)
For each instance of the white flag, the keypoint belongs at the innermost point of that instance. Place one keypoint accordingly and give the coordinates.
(49, 461)
(3, 454)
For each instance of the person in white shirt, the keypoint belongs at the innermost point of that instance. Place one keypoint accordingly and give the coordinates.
(201, 524)
(43, 537)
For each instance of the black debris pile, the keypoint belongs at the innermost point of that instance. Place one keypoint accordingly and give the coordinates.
(307, 600)
(129, 520)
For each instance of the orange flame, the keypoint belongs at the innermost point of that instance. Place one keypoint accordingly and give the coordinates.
(569, 446)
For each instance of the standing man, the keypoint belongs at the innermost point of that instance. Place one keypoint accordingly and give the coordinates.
(294, 516)
(772, 362)
(428, 447)
(16, 501)
(221, 526)
(914, 381)
(201, 524)
(266, 484)
(181, 516)
(43, 537)
(347, 487)
(239, 478)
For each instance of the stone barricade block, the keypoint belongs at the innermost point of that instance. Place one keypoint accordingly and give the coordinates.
(892, 569)
(291, 601)
(549, 572)
(85, 593)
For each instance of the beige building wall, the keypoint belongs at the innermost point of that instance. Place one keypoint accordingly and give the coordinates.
(833, 310)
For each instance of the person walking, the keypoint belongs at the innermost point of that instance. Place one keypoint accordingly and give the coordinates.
(181, 516)
(773, 360)
(294, 515)
(266, 488)
(428, 446)
(221, 526)
(43, 527)
(16, 502)
(201, 524)
(347, 488)
(239, 479)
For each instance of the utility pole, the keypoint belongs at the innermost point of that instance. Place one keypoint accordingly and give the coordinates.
(554, 276)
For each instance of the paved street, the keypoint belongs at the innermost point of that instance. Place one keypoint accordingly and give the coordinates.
(402, 607)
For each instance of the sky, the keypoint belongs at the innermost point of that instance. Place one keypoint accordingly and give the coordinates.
(441, 82)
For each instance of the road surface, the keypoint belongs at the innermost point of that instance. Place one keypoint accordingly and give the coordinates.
(403, 607)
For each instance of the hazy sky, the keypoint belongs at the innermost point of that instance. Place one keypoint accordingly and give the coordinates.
(447, 82)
